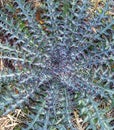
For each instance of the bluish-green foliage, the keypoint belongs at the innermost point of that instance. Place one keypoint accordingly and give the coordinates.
(62, 65)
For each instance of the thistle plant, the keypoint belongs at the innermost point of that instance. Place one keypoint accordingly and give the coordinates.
(62, 65)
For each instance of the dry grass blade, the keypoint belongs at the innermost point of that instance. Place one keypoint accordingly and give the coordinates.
(111, 13)
(12, 120)
(1, 62)
(3, 2)
(78, 121)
